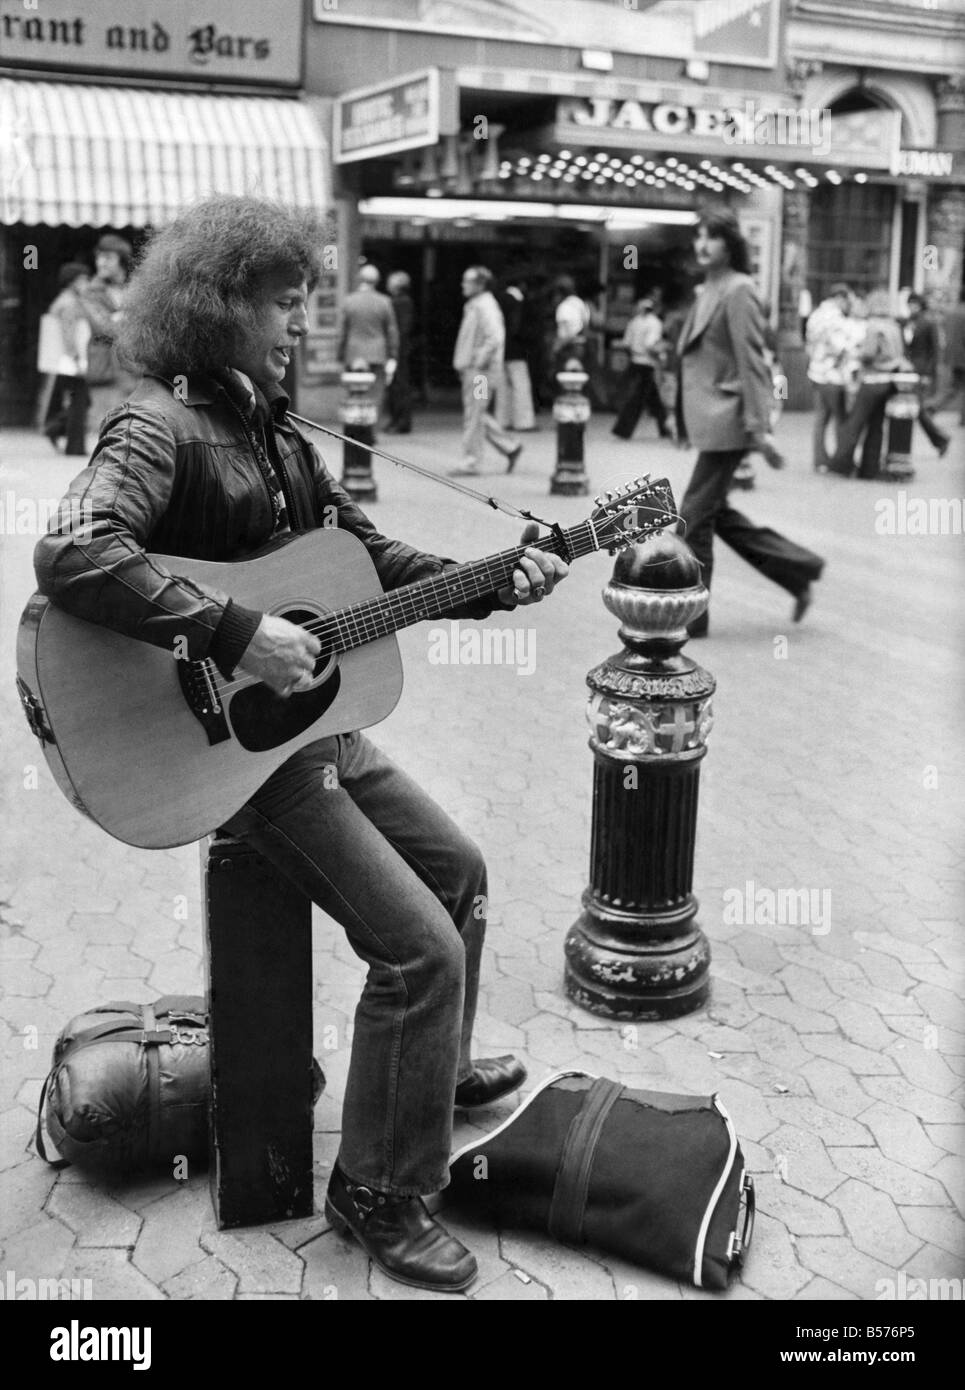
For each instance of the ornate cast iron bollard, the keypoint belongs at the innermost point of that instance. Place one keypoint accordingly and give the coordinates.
(358, 415)
(901, 412)
(636, 951)
(571, 411)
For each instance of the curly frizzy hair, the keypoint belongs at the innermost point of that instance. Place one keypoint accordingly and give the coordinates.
(198, 286)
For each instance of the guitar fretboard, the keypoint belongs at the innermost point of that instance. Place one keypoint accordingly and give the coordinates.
(432, 598)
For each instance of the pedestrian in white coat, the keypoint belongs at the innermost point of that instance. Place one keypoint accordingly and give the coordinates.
(478, 358)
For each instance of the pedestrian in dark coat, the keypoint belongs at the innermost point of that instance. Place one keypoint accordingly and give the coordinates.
(954, 356)
(726, 397)
(398, 394)
(923, 345)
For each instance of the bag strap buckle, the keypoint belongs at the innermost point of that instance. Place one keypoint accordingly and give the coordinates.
(35, 714)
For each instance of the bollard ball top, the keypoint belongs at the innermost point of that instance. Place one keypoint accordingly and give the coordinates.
(663, 562)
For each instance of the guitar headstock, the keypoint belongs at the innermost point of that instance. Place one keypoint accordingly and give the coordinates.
(633, 512)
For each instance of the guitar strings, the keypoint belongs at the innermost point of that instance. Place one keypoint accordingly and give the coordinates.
(369, 625)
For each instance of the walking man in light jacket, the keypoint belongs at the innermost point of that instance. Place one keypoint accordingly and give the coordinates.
(478, 358)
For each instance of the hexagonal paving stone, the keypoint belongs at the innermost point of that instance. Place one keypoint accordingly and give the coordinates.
(924, 1067)
(263, 1264)
(206, 1279)
(24, 1190)
(902, 1185)
(951, 1138)
(335, 1269)
(949, 1171)
(170, 1238)
(96, 1218)
(860, 1061)
(939, 1226)
(802, 1160)
(771, 1266)
(874, 1223)
(39, 1251)
(834, 1087)
(897, 1091)
(901, 1137)
(112, 1276)
(836, 1259)
(823, 1291)
(802, 1214)
(509, 1288)
(570, 1274)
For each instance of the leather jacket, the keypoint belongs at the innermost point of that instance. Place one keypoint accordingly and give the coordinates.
(175, 472)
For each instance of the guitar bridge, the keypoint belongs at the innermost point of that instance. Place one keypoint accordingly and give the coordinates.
(35, 712)
(200, 690)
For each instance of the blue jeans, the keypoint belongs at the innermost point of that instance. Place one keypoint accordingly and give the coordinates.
(380, 857)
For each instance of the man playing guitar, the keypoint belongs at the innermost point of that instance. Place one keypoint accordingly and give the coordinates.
(202, 461)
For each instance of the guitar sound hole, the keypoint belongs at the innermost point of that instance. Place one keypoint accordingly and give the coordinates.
(262, 720)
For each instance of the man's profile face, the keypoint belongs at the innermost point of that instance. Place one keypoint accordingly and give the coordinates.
(470, 285)
(265, 352)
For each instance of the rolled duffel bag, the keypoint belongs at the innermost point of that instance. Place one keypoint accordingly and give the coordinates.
(658, 1179)
(129, 1087)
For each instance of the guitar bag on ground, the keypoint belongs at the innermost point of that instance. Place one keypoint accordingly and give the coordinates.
(129, 1087)
(655, 1178)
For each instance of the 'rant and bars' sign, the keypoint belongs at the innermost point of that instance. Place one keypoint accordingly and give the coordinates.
(205, 40)
(399, 115)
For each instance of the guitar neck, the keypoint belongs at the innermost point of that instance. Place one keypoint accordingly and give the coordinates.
(432, 598)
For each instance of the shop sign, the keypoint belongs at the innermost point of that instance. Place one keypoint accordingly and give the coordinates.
(743, 32)
(746, 127)
(202, 40)
(403, 114)
(737, 31)
(924, 164)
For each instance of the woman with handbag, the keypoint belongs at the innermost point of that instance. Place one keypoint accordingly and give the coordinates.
(68, 330)
(109, 382)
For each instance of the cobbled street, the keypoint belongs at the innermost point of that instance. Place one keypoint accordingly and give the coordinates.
(835, 765)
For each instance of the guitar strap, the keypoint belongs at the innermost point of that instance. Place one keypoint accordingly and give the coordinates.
(493, 502)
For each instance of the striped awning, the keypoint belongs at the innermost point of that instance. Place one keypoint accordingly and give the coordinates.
(93, 156)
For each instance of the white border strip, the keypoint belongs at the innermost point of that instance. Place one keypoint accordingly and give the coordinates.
(715, 1195)
(477, 1143)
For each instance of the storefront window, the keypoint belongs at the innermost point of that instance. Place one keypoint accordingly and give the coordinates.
(850, 237)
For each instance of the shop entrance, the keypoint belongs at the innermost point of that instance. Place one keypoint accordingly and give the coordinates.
(611, 269)
(534, 255)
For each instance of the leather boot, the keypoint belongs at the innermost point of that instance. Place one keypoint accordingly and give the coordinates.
(400, 1236)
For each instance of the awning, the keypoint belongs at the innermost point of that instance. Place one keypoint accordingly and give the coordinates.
(95, 156)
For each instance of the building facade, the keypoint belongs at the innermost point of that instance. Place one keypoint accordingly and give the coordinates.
(539, 137)
(582, 137)
(113, 118)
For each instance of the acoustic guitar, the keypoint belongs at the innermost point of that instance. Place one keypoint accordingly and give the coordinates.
(159, 751)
